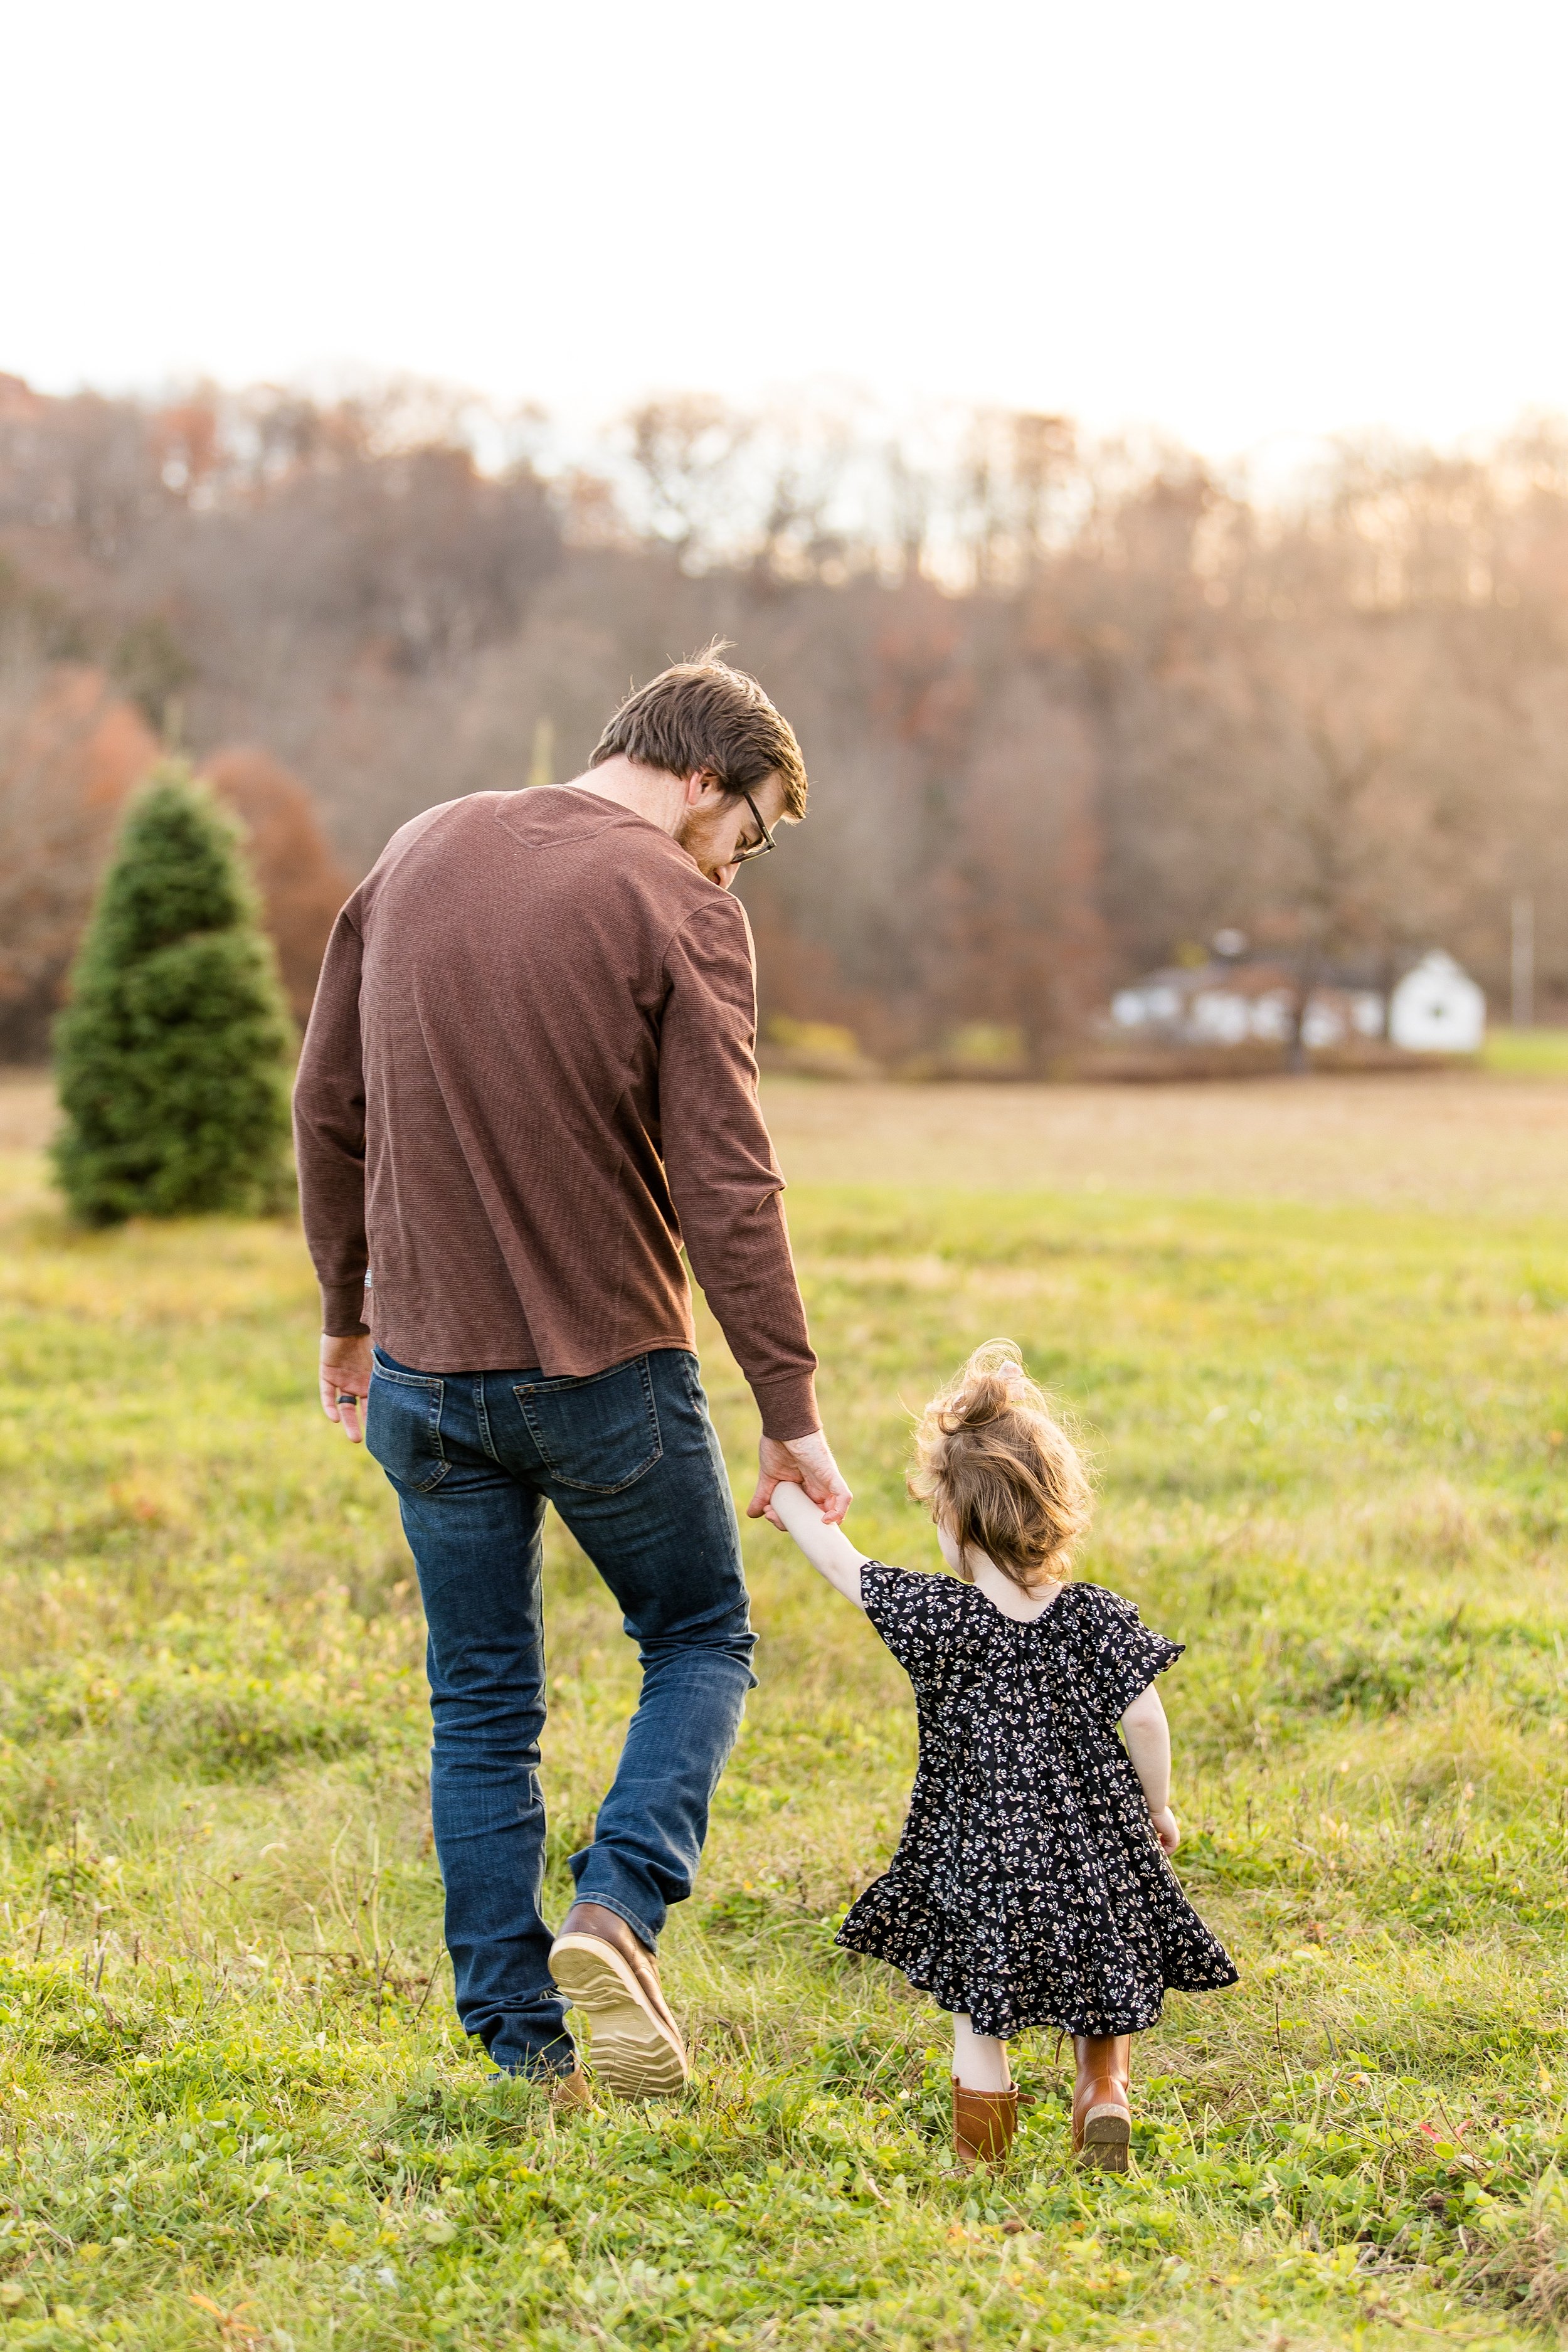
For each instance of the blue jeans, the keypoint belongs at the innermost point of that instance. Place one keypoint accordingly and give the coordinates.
(630, 1460)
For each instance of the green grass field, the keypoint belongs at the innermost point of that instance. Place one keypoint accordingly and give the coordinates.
(234, 2109)
(1528, 1053)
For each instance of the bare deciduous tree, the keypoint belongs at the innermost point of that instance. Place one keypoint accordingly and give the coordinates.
(1068, 707)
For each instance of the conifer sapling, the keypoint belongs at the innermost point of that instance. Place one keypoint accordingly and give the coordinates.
(173, 1050)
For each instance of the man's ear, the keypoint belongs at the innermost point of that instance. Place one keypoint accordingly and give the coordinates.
(697, 783)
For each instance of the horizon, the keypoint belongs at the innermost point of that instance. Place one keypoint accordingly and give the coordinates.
(1277, 466)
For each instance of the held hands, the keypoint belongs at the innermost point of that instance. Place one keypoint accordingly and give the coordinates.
(1167, 1829)
(344, 1377)
(803, 1462)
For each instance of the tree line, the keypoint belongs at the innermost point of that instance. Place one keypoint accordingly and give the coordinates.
(1070, 707)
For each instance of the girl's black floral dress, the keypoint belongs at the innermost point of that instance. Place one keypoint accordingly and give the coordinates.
(1029, 1887)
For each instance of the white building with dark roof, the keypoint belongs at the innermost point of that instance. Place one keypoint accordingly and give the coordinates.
(1435, 1008)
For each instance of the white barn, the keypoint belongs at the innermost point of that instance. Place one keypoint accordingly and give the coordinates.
(1437, 1009)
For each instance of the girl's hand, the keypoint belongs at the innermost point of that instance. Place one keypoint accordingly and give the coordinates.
(1167, 1829)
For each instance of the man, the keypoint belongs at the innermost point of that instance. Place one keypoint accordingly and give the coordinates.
(528, 1078)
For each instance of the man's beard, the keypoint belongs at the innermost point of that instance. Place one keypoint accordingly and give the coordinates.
(695, 835)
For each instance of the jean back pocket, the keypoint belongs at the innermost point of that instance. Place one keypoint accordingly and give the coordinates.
(599, 1434)
(403, 1427)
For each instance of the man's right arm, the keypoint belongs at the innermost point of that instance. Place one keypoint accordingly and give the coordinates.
(726, 1186)
(329, 1149)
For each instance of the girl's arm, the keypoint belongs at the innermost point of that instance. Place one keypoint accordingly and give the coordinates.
(1148, 1738)
(829, 1550)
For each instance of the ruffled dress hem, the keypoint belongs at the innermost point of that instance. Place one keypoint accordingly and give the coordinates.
(1040, 2006)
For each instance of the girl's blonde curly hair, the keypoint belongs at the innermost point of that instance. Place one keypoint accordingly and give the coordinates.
(999, 1472)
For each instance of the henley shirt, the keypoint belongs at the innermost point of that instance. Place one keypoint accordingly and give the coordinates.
(527, 1081)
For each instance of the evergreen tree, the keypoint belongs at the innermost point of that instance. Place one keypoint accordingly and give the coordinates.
(173, 1051)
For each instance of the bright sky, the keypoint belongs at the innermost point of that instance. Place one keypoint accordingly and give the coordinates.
(1241, 220)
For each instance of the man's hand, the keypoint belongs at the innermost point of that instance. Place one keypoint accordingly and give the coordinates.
(345, 1383)
(803, 1462)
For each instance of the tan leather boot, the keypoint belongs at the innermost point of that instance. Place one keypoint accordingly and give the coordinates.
(635, 2044)
(1102, 2114)
(984, 2123)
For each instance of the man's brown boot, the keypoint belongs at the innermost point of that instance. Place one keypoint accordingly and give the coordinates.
(1102, 2115)
(636, 2047)
(984, 2123)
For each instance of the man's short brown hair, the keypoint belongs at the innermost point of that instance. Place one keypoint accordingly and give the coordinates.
(703, 714)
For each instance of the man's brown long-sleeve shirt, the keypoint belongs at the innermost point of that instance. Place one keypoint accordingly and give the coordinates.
(528, 1076)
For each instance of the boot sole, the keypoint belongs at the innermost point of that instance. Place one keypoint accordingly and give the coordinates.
(631, 2050)
(1107, 2137)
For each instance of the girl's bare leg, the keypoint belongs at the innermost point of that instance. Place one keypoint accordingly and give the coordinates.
(979, 2060)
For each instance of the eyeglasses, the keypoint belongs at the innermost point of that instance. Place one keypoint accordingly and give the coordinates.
(754, 848)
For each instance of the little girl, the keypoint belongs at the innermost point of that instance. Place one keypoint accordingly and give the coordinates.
(1030, 1886)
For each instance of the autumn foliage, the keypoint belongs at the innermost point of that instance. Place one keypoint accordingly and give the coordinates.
(301, 882)
(1069, 709)
(70, 750)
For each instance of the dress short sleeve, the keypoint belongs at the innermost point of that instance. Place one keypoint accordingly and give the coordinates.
(919, 1617)
(1122, 1657)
